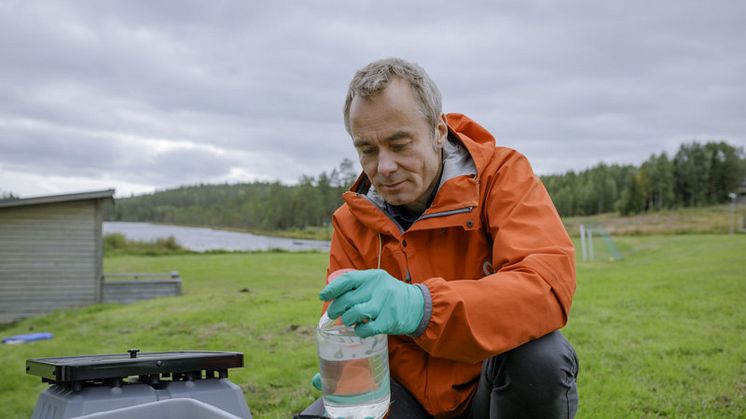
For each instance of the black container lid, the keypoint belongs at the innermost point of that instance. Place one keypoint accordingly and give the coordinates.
(82, 368)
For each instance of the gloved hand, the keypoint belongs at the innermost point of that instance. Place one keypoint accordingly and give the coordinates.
(316, 381)
(388, 305)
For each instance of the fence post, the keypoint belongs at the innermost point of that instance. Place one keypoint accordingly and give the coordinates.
(733, 198)
(589, 230)
(582, 241)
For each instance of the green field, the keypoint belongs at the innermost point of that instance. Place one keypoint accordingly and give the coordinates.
(661, 333)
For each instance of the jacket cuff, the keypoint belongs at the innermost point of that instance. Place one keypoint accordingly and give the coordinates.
(427, 313)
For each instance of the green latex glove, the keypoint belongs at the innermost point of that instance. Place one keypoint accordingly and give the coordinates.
(316, 381)
(375, 302)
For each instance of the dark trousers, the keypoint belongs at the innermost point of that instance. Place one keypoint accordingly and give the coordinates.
(535, 380)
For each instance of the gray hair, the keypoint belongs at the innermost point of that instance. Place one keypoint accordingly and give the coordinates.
(374, 77)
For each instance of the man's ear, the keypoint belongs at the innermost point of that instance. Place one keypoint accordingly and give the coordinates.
(441, 131)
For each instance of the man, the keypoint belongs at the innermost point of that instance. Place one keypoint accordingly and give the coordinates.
(460, 258)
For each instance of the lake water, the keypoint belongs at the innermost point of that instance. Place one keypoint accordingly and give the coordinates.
(201, 239)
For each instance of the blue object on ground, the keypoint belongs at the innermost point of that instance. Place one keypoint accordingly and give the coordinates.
(30, 337)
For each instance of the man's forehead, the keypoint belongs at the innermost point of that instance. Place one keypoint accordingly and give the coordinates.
(382, 117)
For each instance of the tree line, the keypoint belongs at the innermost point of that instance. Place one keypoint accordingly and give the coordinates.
(255, 205)
(697, 175)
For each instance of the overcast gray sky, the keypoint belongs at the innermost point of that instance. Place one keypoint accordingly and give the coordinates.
(146, 95)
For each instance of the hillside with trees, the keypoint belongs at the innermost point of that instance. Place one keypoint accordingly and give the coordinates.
(269, 206)
(698, 175)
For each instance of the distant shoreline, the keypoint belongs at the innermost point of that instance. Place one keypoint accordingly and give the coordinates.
(202, 239)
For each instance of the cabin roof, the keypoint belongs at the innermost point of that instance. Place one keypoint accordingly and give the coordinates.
(53, 199)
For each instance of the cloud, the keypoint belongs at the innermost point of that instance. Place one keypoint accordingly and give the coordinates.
(141, 96)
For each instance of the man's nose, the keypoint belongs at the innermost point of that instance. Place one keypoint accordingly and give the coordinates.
(386, 163)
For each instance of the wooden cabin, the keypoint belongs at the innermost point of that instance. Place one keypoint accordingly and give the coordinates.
(51, 253)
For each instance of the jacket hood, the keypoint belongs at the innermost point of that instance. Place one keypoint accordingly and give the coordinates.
(478, 141)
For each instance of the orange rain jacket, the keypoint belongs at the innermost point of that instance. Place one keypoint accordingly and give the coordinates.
(491, 250)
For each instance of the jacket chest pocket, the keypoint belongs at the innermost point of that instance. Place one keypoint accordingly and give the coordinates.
(453, 255)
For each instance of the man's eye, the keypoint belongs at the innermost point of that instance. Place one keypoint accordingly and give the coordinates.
(368, 151)
(399, 146)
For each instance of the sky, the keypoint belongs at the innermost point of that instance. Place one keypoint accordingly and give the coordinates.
(142, 95)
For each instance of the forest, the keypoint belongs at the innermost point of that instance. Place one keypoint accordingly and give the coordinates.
(269, 206)
(697, 175)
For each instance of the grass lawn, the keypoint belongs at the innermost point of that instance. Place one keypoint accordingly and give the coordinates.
(661, 333)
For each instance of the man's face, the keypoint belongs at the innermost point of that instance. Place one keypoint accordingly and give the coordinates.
(398, 150)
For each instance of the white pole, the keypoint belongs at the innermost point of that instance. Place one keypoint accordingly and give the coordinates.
(733, 197)
(582, 241)
(589, 230)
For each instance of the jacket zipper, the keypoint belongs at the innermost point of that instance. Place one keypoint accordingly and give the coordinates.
(422, 217)
(408, 278)
(445, 213)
